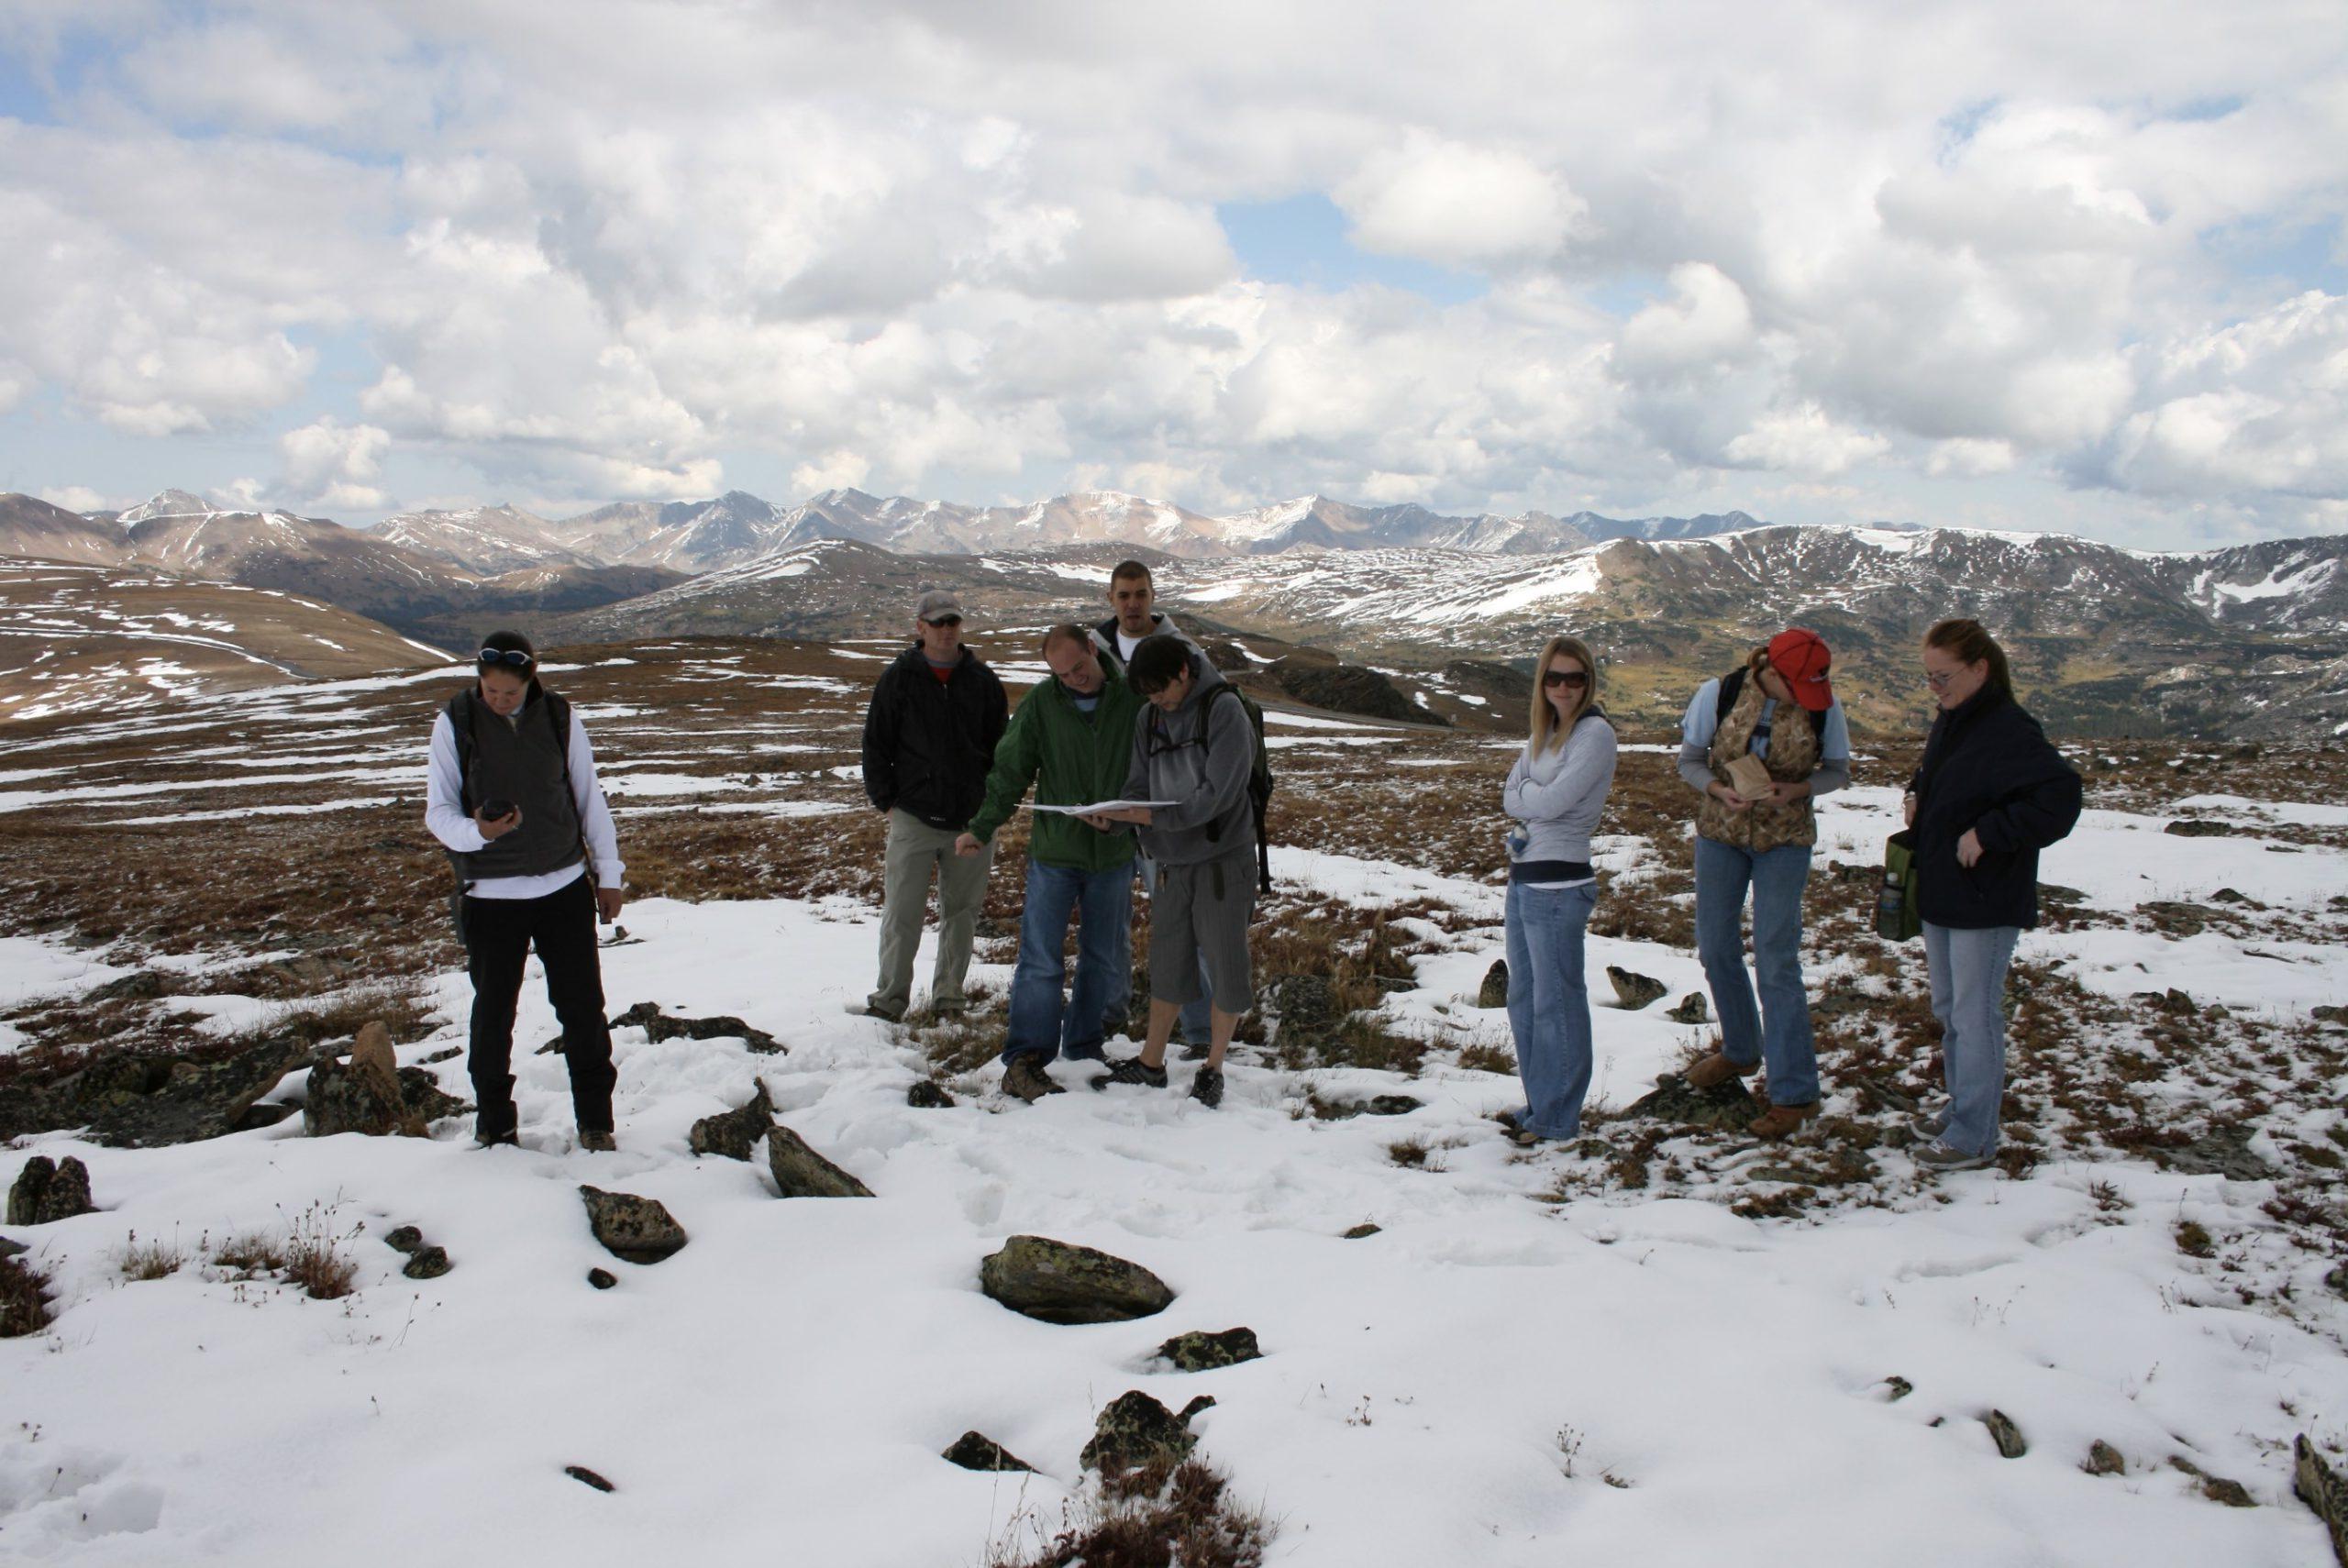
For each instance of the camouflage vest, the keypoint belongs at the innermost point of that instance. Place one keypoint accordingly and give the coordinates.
(1792, 757)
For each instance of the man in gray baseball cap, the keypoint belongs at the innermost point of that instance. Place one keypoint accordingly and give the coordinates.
(930, 739)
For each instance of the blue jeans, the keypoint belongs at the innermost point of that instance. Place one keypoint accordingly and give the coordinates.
(1194, 1027)
(1776, 1032)
(1969, 973)
(1549, 1004)
(1102, 903)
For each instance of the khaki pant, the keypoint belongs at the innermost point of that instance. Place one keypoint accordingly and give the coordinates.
(915, 849)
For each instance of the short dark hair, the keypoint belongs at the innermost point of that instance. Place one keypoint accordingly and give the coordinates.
(508, 642)
(1157, 660)
(1126, 571)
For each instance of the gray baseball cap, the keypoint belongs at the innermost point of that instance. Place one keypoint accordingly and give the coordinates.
(936, 602)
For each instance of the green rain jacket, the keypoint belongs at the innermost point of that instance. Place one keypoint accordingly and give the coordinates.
(1072, 760)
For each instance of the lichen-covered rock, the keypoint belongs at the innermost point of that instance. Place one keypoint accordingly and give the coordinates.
(1306, 1006)
(2321, 1489)
(24, 1298)
(636, 1230)
(2223, 1150)
(1727, 1104)
(1633, 990)
(46, 1192)
(1363, 1231)
(1690, 1009)
(198, 1100)
(2005, 1434)
(1199, 1351)
(424, 1099)
(801, 1172)
(928, 1094)
(975, 1450)
(404, 1239)
(364, 1095)
(2103, 1460)
(427, 1263)
(734, 1133)
(1133, 1431)
(1493, 992)
(1056, 1282)
(660, 1026)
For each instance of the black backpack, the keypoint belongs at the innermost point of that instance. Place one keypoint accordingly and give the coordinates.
(1259, 773)
(1733, 682)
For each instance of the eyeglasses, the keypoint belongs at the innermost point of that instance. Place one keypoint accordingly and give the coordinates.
(945, 621)
(1938, 680)
(1564, 678)
(514, 656)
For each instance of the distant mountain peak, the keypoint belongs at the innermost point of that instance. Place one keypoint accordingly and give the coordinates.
(169, 504)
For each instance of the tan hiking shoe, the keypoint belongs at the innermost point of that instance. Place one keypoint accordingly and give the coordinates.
(598, 1143)
(1780, 1120)
(1716, 1069)
(1027, 1079)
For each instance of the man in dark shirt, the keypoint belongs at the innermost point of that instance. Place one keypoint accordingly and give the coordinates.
(930, 739)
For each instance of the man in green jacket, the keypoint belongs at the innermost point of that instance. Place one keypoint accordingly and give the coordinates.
(1072, 740)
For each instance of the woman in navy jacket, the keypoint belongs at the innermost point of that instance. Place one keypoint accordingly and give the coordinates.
(1992, 793)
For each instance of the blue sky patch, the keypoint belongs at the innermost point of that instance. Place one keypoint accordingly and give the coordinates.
(1302, 241)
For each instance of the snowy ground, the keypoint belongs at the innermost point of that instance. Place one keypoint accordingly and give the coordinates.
(1511, 1371)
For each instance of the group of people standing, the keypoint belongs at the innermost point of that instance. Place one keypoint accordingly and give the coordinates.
(1760, 744)
(1140, 755)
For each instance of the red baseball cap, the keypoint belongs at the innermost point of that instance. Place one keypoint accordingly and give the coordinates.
(1802, 656)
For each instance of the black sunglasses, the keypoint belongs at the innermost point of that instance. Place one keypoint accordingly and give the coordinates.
(945, 621)
(1564, 678)
(514, 656)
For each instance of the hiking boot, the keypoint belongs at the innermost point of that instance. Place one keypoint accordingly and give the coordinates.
(1026, 1078)
(1131, 1070)
(1939, 1156)
(1196, 1051)
(1207, 1088)
(1716, 1068)
(1780, 1120)
(597, 1142)
(1929, 1124)
(492, 1139)
(873, 1009)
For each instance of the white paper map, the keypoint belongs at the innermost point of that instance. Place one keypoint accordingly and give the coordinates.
(1095, 806)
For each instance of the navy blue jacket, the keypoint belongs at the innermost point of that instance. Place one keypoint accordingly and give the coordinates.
(1987, 767)
(929, 743)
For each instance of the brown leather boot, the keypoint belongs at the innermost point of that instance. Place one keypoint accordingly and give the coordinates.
(1716, 1069)
(1780, 1120)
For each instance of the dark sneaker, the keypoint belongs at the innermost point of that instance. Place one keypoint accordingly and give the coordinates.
(1027, 1079)
(1928, 1123)
(1938, 1157)
(1207, 1088)
(1131, 1070)
(597, 1142)
(493, 1140)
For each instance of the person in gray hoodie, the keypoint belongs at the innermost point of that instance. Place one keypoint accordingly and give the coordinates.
(1193, 749)
(1555, 791)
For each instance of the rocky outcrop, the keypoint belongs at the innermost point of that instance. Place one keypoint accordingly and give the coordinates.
(1691, 1009)
(2103, 1460)
(1056, 1282)
(364, 1095)
(421, 1092)
(975, 1450)
(801, 1172)
(1345, 689)
(1199, 1351)
(1635, 991)
(2321, 1489)
(734, 1133)
(1494, 991)
(1134, 1431)
(635, 1229)
(2223, 1150)
(423, 1260)
(660, 1026)
(1306, 1006)
(24, 1298)
(1674, 1099)
(198, 1099)
(46, 1192)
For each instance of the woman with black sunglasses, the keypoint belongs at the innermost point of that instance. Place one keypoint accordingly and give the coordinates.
(1556, 790)
(512, 793)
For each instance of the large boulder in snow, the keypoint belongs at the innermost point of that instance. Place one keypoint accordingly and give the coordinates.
(637, 1230)
(46, 1192)
(362, 1095)
(199, 1099)
(801, 1172)
(1135, 1431)
(734, 1133)
(1057, 1282)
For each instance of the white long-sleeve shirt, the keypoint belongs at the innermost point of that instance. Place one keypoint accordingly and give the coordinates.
(444, 788)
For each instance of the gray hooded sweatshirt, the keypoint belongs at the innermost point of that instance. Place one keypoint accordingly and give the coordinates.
(1211, 818)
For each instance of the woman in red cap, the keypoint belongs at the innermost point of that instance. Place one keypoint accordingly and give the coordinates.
(1760, 743)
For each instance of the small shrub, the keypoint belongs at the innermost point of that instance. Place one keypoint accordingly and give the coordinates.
(1411, 1152)
(250, 1256)
(1483, 1058)
(2193, 1240)
(24, 1298)
(2107, 1197)
(315, 1259)
(1183, 1516)
(150, 1260)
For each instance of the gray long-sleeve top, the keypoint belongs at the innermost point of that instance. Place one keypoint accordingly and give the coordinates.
(1559, 794)
(1701, 723)
(1210, 817)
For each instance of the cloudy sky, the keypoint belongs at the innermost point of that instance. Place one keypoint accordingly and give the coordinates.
(2045, 264)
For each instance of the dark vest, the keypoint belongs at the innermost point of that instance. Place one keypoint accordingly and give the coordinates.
(526, 761)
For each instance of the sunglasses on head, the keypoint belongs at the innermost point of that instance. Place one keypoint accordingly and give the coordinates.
(944, 621)
(514, 656)
(1564, 678)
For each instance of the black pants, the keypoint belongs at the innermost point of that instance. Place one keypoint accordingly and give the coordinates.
(498, 936)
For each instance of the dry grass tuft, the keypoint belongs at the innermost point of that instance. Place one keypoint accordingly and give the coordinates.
(315, 1259)
(1483, 1058)
(150, 1259)
(250, 1256)
(1178, 1515)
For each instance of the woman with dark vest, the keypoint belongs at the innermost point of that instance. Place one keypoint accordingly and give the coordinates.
(512, 793)
(1992, 793)
(1556, 790)
(1761, 743)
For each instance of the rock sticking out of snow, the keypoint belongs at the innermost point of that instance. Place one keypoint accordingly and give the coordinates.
(734, 1133)
(46, 1192)
(1632, 990)
(1199, 1351)
(1056, 1282)
(635, 1229)
(801, 1172)
(975, 1450)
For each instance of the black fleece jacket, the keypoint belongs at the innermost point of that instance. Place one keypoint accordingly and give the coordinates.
(927, 744)
(1988, 767)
